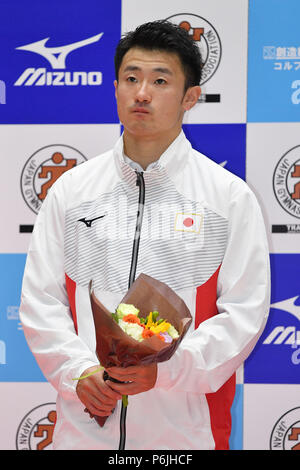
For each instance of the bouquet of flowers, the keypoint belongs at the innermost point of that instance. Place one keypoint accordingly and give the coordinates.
(146, 327)
(127, 317)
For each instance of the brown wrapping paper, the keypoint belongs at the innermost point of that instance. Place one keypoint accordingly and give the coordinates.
(115, 348)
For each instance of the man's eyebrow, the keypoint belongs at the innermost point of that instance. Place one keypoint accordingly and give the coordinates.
(133, 68)
(163, 70)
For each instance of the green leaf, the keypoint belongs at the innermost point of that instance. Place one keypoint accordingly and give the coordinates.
(154, 315)
(115, 317)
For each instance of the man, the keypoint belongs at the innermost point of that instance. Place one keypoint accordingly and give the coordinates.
(198, 229)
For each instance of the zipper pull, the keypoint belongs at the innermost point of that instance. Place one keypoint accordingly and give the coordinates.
(139, 177)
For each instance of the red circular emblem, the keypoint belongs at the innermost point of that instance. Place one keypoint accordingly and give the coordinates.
(188, 222)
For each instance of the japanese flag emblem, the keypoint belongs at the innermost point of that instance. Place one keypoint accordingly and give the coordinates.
(185, 222)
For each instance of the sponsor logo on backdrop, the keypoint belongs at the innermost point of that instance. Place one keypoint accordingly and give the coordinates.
(12, 314)
(286, 432)
(286, 334)
(286, 187)
(276, 357)
(2, 352)
(208, 40)
(296, 93)
(2, 92)
(56, 57)
(43, 168)
(35, 431)
(285, 59)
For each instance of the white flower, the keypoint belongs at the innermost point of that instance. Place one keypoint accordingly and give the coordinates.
(126, 309)
(132, 329)
(173, 332)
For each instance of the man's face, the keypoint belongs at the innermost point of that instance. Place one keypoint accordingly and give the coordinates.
(150, 93)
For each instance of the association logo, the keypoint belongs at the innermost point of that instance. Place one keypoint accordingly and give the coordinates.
(56, 57)
(35, 431)
(286, 187)
(209, 43)
(43, 168)
(286, 432)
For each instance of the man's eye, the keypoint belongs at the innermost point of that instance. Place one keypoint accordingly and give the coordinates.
(160, 81)
(131, 79)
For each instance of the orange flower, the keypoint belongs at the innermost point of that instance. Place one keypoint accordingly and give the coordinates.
(130, 318)
(160, 337)
(147, 333)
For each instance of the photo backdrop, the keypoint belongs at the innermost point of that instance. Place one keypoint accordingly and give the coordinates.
(57, 109)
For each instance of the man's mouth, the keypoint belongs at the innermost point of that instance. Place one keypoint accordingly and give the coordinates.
(140, 110)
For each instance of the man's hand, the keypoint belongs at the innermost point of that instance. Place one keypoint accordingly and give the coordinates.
(140, 378)
(96, 394)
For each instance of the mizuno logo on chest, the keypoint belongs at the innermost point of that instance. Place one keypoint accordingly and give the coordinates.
(88, 222)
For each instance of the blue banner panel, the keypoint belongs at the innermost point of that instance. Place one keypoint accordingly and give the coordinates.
(274, 61)
(17, 364)
(223, 143)
(276, 357)
(57, 61)
(236, 436)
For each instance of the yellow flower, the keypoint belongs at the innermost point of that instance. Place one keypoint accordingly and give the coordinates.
(161, 328)
(149, 321)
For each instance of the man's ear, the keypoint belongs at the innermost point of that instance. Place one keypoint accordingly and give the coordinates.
(191, 97)
(116, 85)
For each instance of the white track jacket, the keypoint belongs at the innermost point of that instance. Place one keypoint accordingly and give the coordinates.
(203, 234)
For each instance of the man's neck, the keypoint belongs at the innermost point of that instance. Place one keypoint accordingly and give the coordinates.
(145, 150)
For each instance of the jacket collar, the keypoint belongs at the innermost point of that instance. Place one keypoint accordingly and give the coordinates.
(172, 161)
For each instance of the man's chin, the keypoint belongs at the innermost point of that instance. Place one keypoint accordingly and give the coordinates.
(140, 130)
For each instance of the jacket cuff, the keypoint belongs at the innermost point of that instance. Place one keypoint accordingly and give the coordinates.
(163, 375)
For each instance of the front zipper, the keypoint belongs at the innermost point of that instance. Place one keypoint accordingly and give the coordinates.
(134, 257)
(139, 219)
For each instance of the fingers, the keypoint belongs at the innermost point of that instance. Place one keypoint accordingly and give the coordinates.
(97, 407)
(122, 373)
(131, 388)
(136, 379)
(100, 397)
(133, 373)
(97, 403)
(96, 395)
(108, 392)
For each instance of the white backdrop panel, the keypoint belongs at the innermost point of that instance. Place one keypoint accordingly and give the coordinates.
(271, 412)
(272, 152)
(24, 145)
(227, 20)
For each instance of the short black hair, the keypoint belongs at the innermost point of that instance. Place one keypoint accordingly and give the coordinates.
(162, 35)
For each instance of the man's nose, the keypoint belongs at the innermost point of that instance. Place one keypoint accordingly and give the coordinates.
(143, 92)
